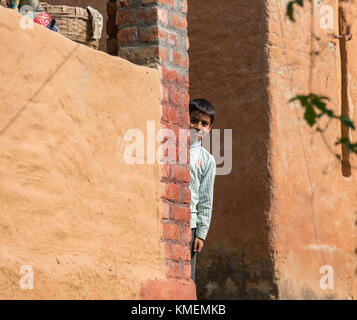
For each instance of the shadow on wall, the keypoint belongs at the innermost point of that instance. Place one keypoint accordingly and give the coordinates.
(228, 67)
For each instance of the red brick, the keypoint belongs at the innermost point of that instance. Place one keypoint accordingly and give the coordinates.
(144, 2)
(163, 34)
(171, 231)
(181, 117)
(186, 194)
(166, 170)
(147, 15)
(178, 21)
(171, 126)
(163, 55)
(125, 16)
(127, 35)
(183, 81)
(181, 60)
(186, 271)
(180, 155)
(168, 250)
(169, 114)
(162, 16)
(187, 43)
(169, 136)
(172, 39)
(148, 34)
(165, 210)
(181, 214)
(165, 90)
(184, 6)
(181, 173)
(168, 2)
(165, 157)
(180, 252)
(169, 75)
(186, 234)
(124, 3)
(177, 97)
(172, 191)
(186, 99)
(173, 270)
(187, 116)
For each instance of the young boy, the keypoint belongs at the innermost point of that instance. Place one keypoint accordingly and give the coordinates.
(203, 171)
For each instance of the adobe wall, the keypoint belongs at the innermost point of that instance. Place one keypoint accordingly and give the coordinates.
(314, 208)
(228, 67)
(86, 221)
(286, 209)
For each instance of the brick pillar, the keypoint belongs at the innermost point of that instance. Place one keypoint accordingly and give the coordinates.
(112, 28)
(154, 33)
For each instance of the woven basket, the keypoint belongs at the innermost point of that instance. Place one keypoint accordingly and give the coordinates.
(74, 23)
(5, 3)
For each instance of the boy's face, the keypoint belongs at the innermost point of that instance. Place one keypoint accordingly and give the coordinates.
(200, 125)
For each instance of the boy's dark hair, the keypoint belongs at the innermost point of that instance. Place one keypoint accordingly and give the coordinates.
(204, 107)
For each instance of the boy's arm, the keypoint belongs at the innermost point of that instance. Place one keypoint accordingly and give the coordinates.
(204, 207)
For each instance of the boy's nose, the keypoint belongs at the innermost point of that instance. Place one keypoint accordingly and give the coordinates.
(199, 126)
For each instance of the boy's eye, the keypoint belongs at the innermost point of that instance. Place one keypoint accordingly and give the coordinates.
(194, 120)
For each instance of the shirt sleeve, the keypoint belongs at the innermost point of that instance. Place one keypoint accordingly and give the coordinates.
(205, 203)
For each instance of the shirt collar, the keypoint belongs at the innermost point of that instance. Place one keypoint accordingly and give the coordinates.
(195, 144)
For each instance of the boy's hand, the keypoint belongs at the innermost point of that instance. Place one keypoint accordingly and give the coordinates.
(197, 245)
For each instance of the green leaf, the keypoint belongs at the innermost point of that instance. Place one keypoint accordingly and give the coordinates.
(290, 8)
(347, 122)
(350, 146)
(354, 147)
(329, 112)
(300, 2)
(317, 101)
(342, 140)
(310, 115)
(290, 11)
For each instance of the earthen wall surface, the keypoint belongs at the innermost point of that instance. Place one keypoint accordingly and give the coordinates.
(288, 207)
(229, 68)
(314, 207)
(85, 220)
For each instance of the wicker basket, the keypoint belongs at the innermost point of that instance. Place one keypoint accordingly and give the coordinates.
(74, 23)
(5, 3)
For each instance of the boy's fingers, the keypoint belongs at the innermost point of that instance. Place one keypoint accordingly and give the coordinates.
(200, 246)
(195, 245)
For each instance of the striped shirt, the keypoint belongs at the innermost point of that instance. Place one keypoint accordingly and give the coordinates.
(203, 172)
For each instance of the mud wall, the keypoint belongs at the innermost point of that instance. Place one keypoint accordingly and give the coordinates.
(314, 210)
(71, 208)
(288, 208)
(228, 67)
